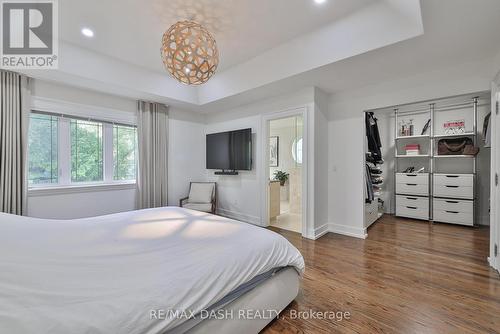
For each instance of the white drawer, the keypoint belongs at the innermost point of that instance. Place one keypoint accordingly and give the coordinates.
(454, 217)
(412, 212)
(371, 213)
(453, 191)
(412, 201)
(412, 189)
(463, 180)
(454, 205)
(419, 178)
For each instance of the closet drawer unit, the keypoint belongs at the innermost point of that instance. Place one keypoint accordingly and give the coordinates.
(412, 189)
(461, 180)
(371, 213)
(412, 212)
(412, 207)
(420, 178)
(455, 205)
(420, 202)
(453, 191)
(454, 217)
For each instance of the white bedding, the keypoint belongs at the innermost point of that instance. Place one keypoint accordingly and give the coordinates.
(106, 274)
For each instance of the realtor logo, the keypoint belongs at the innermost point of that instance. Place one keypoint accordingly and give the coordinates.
(29, 34)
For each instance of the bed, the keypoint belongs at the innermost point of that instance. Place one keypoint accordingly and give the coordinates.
(164, 270)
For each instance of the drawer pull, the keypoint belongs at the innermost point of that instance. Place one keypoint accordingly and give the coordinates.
(452, 175)
(451, 211)
(411, 175)
(452, 202)
(451, 186)
(411, 184)
(412, 207)
(412, 198)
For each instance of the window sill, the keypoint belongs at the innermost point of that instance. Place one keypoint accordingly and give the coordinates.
(80, 188)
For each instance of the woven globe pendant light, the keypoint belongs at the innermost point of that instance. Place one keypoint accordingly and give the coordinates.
(189, 52)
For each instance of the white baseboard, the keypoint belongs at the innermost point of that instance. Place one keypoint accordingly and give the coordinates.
(347, 230)
(239, 216)
(491, 262)
(320, 231)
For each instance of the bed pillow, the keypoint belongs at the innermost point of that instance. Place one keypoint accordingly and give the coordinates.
(201, 193)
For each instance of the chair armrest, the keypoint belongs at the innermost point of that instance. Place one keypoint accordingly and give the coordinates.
(182, 201)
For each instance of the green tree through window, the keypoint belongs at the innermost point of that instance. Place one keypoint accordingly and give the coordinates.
(124, 152)
(86, 151)
(43, 149)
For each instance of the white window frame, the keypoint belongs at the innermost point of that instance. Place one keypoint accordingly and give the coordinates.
(67, 111)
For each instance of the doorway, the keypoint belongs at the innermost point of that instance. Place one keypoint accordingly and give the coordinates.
(285, 172)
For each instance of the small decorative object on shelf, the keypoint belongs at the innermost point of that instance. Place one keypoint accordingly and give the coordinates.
(412, 149)
(406, 129)
(425, 130)
(281, 176)
(454, 127)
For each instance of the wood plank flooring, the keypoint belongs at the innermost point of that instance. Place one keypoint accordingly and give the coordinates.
(407, 277)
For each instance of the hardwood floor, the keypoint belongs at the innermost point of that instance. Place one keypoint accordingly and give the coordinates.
(406, 277)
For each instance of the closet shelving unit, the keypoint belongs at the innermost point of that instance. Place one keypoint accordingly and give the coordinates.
(450, 206)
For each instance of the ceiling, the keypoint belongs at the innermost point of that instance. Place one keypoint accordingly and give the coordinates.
(131, 30)
(270, 47)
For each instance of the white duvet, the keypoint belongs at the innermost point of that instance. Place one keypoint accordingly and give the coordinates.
(107, 274)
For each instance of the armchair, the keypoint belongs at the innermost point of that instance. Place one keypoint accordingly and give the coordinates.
(202, 197)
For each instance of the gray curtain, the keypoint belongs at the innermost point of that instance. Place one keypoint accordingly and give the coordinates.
(14, 117)
(152, 132)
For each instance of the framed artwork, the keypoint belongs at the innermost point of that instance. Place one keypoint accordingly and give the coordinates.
(274, 151)
(454, 127)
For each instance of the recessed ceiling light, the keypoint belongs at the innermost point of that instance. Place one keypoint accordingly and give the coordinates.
(319, 2)
(87, 32)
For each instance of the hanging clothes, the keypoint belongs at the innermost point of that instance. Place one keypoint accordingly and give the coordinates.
(373, 137)
(369, 195)
(487, 130)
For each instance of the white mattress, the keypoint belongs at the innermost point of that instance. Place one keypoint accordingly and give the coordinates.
(107, 274)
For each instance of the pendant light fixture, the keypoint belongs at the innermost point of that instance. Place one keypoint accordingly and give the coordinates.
(189, 53)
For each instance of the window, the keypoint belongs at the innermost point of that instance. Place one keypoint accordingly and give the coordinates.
(86, 151)
(297, 150)
(124, 148)
(68, 151)
(43, 149)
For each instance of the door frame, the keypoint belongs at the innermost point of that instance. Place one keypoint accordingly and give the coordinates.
(495, 170)
(306, 167)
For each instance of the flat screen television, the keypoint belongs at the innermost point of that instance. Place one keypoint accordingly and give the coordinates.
(230, 151)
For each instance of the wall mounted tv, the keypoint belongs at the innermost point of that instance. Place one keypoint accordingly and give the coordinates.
(229, 151)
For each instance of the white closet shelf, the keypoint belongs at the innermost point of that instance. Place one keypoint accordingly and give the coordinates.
(413, 137)
(413, 156)
(468, 134)
(455, 156)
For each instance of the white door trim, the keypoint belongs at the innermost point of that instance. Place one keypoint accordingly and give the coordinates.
(307, 168)
(495, 169)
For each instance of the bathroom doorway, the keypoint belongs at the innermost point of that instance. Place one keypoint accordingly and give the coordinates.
(286, 172)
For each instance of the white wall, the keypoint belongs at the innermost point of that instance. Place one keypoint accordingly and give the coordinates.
(240, 196)
(346, 134)
(89, 203)
(318, 199)
(186, 153)
(186, 145)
